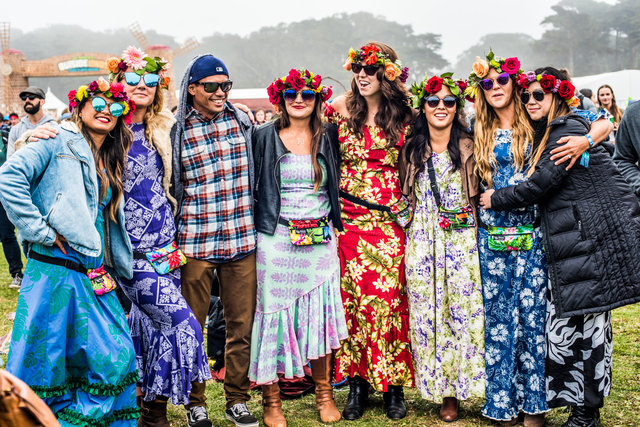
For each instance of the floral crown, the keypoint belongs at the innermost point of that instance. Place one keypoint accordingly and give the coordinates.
(113, 90)
(371, 54)
(433, 85)
(140, 63)
(297, 79)
(481, 68)
(550, 84)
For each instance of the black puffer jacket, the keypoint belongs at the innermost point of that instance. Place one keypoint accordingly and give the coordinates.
(591, 226)
(268, 150)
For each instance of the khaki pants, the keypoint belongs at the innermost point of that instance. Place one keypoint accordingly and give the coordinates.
(238, 295)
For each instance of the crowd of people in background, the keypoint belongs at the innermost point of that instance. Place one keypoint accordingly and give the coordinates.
(385, 237)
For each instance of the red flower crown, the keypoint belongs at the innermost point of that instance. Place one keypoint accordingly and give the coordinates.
(296, 80)
(550, 84)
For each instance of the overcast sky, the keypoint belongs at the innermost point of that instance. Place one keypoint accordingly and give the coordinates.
(460, 23)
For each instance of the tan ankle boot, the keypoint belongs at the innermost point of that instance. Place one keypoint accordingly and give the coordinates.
(321, 373)
(272, 415)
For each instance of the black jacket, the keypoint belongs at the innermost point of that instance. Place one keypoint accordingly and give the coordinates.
(591, 226)
(268, 150)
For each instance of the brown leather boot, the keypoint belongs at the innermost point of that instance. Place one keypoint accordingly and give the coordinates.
(449, 409)
(272, 415)
(153, 414)
(321, 373)
(537, 420)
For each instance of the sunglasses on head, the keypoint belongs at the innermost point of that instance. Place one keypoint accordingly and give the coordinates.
(369, 70)
(487, 84)
(115, 108)
(212, 87)
(31, 97)
(448, 101)
(291, 95)
(538, 95)
(150, 80)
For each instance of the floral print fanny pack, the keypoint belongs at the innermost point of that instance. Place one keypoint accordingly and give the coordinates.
(166, 259)
(101, 280)
(304, 232)
(453, 219)
(519, 238)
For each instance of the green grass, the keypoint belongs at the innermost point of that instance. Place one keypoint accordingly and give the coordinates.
(622, 408)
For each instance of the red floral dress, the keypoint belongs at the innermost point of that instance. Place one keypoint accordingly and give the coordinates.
(371, 251)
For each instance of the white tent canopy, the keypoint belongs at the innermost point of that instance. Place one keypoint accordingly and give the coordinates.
(52, 104)
(625, 84)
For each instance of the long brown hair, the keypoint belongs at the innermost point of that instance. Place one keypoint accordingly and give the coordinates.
(112, 153)
(485, 129)
(394, 110)
(153, 110)
(315, 125)
(614, 110)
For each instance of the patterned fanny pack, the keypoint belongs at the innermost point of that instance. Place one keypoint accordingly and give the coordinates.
(519, 238)
(165, 259)
(454, 219)
(304, 232)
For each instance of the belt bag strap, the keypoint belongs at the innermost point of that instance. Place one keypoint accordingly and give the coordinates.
(71, 265)
(364, 203)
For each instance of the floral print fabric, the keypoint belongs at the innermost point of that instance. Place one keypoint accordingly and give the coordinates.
(514, 285)
(446, 308)
(371, 251)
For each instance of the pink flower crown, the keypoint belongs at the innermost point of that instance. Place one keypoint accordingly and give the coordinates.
(297, 79)
(371, 54)
(113, 90)
(550, 84)
(140, 63)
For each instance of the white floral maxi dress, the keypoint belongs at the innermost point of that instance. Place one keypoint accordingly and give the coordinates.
(446, 308)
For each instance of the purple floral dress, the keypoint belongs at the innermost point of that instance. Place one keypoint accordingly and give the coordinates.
(166, 335)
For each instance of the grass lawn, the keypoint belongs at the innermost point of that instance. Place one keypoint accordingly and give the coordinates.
(622, 408)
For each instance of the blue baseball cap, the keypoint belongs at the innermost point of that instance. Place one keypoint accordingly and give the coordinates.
(206, 66)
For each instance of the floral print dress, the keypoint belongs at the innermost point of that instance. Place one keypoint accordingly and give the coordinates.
(371, 252)
(446, 308)
(514, 285)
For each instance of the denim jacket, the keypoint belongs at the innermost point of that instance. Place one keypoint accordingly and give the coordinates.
(52, 186)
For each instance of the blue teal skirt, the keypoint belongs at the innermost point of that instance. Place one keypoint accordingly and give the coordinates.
(73, 348)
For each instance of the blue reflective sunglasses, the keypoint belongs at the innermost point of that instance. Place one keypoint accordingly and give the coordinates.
(132, 79)
(115, 108)
(290, 95)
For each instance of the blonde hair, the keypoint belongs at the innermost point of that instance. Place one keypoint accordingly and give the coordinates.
(485, 130)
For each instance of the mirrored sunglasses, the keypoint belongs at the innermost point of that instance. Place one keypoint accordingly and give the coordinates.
(150, 80)
(487, 84)
(291, 95)
(115, 108)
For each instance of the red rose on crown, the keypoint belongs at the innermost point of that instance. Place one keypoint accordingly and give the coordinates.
(294, 80)
(274, 93)
(462, 85)
(434, 84)
(523, 81)
(317, 79)
(511, 65)
(548, 82)
(566, 90)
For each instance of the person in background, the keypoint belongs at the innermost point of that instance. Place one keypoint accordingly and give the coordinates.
(607, 101)
(70, 342)
(627, 148)
(260, 116)
(268, 115)
(446, 310)
(14, 119)
(586, 103)
(33, 98)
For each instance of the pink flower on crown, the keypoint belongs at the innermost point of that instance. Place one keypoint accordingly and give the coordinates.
(134, 58)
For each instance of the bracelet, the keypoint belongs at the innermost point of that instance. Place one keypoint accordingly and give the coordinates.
(584, 160)
(590, 140)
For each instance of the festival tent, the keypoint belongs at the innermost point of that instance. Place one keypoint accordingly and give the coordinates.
(625, 84)
(52, 104)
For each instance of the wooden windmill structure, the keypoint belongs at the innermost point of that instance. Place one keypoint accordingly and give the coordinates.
(163, 51)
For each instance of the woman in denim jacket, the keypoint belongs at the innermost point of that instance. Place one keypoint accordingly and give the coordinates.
(70, 339)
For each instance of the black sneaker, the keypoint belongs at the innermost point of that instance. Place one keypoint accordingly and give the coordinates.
(197, 417)
(240, 415)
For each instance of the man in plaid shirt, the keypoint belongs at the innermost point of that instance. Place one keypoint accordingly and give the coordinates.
(213, 184)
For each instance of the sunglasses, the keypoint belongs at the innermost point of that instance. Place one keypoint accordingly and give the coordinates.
(291, 95)
(448, 101)
(150, 80)
(369, 70)
(29, 97)
(487, 84)
(212, 87)
(538, 95)
(115, 108)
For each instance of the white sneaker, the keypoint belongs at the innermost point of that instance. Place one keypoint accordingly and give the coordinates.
(16, 282)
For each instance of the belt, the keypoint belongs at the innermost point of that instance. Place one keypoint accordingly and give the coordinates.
(140, 255)
(71, 265)
(481, 224)
(364, 203)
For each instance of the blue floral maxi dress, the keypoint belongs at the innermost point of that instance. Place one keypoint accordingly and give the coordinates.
(166, 335)
(446, 310)
(514, 285)
(299, 312)
(71, 346)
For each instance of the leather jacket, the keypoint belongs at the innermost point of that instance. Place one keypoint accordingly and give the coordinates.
(268, 150)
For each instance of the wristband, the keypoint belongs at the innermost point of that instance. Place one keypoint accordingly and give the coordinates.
(584, 160)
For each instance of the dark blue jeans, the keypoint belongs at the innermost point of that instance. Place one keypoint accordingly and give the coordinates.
(10, 244)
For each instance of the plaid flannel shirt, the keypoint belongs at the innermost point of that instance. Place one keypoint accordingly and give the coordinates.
(216, 221)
